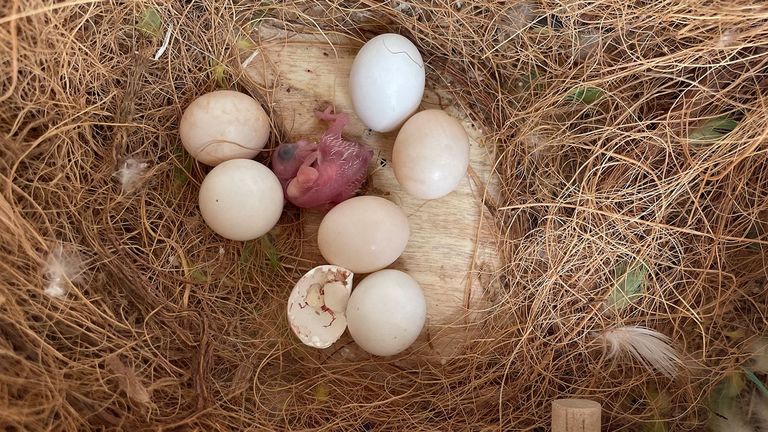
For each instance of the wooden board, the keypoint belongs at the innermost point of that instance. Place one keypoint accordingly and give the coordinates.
(452, 242)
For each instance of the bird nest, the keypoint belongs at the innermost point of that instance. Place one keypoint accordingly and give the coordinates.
(617, 189)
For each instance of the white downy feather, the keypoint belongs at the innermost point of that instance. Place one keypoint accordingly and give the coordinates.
(734, 421)
(62, 267)
(649, 347)
(166, 41)
(759, 349)
(761, 414)
(130, 172)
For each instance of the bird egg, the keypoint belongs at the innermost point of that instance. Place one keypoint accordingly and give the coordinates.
(363, 234)
(431, 154)
(241, 199)
(224, 125)
(386, 81)
(386, 312)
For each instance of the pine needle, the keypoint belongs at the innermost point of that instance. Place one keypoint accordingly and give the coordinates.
(755, 380)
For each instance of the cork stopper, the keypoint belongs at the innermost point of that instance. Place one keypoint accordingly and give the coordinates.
(575, 415)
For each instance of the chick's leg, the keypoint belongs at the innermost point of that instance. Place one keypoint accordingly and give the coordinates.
(339, 120)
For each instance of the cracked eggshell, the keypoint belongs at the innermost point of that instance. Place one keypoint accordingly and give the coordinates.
(386, 81)
(317, 304)
(386, 312)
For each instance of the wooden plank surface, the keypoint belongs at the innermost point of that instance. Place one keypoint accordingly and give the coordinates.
(452, 247)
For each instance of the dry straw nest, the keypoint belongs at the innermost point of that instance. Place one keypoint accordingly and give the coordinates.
(167, 326)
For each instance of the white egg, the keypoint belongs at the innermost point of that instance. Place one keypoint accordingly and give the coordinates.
(224, 125)
(386, 312)
(431, 154)
(241, 199)
(317, 305)
(386, 81)
(363, 234)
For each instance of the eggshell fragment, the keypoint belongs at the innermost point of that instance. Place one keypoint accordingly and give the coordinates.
(386, 312)
(224, 125)
(431, 154)
(386, 81)
(317, 305)
(241, 199)
(363, 234)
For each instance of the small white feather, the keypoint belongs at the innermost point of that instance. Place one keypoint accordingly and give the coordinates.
(759, 349)
(761, 413)
(130, 173)
(166, 41)
(55, 290)
(727, 39)
(731, 421)
(649, 347)
(62, 267)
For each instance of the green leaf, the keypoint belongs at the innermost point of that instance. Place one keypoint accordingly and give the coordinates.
(754, 234)
(737, 334)
(732, 385)
(245, 43)
(321, 392)
(659, 403)
(656, 426)
(268, 246)
(724, 395)
(629, 284)
(585, 95)
(246, 256)
(527, 80)
(756, 381)
(259, 14)
(220, 73)
(180, 176)
(198, 275)
(151, 23)
(712, 130)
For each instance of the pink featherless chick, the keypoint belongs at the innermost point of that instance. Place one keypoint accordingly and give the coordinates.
(325, 173)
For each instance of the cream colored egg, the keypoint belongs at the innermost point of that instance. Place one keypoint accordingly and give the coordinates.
(224, 125)
(386, 312)
(386, 81)
(241, 199)
(431, 154)
(363, 234)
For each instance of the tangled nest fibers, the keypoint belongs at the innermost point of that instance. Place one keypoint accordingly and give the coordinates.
(168, 326)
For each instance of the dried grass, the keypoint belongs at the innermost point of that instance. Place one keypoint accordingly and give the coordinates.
(201, 334)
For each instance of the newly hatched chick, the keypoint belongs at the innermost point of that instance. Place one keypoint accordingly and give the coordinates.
(321, 174)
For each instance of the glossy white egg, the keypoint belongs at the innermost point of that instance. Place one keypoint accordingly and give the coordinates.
(363, 234)
(386, 81)
(431, 154)
(224, 125)
(241, 199)
(386, 312)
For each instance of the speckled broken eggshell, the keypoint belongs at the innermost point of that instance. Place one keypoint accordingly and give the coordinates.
(317, 305)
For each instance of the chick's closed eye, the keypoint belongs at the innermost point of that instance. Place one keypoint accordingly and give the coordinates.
(322, 173)
(286, 152)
